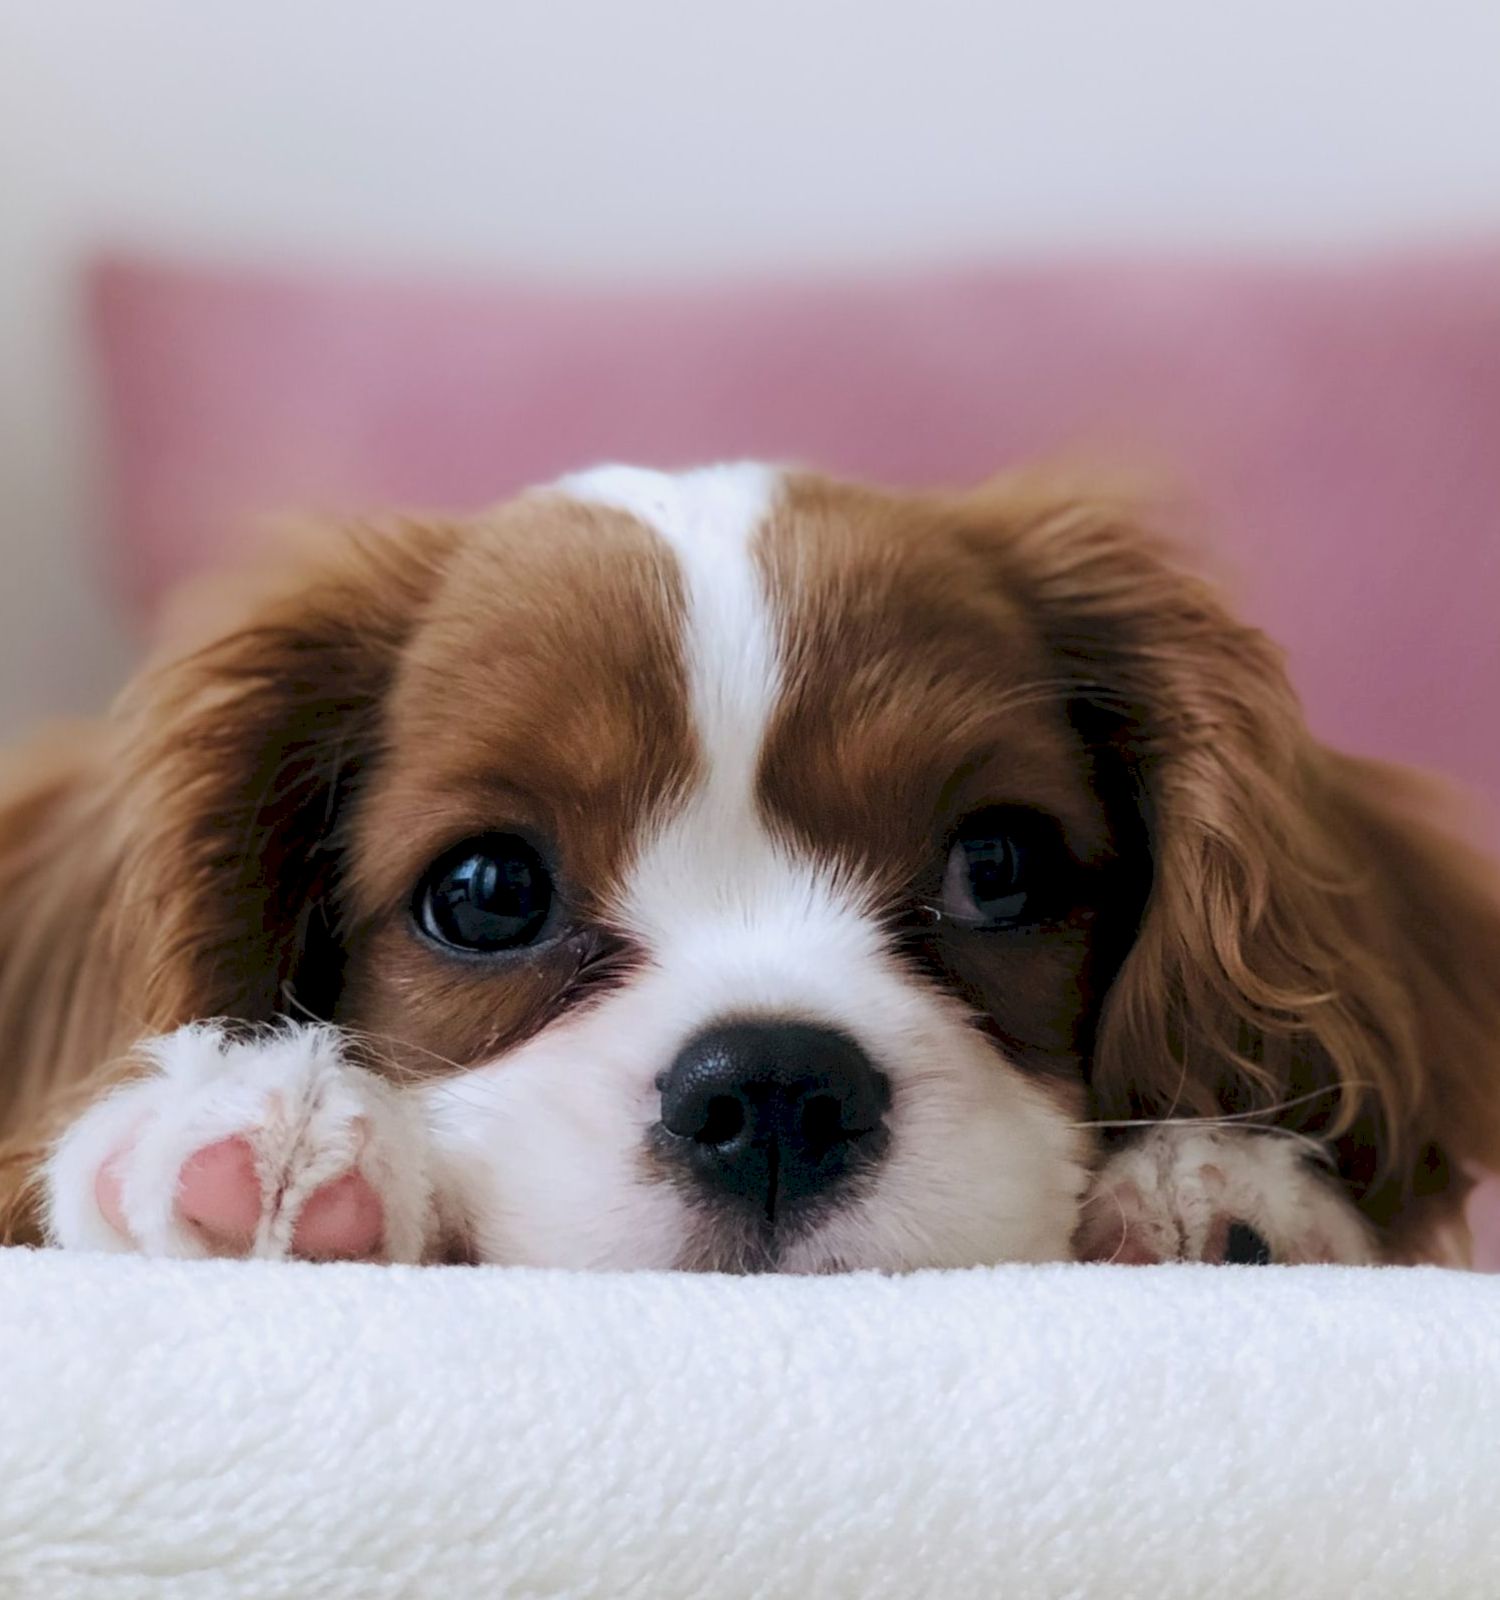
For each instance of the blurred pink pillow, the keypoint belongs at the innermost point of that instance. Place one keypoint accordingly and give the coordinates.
(1340, 426)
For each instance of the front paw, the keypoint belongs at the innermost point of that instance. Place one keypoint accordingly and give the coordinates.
(267, 1144)
(1230, 1196)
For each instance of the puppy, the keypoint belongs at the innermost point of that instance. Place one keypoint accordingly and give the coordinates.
(737, 871)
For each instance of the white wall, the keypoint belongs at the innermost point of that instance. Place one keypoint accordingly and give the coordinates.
(635, 136)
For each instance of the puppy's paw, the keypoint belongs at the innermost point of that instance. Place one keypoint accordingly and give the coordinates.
(269, 1144)
(1220, 1195)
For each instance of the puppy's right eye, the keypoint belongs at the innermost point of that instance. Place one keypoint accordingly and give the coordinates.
(485, 896)
(1008, 868)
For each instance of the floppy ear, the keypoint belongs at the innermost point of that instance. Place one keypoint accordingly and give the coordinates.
(180, 859)
(240, 759)
(58, 865)
(1311, 942)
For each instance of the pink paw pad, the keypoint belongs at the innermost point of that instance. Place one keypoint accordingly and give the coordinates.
(218, 1195)
(107, 1193)
(342, 1221)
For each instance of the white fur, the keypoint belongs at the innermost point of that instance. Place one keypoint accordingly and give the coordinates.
(1169, 1190)
(545, 1146)
(308, 1115)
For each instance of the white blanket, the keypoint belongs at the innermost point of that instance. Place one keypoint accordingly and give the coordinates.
(204, 1430)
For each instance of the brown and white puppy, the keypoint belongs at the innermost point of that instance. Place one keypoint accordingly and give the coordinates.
(737, 870)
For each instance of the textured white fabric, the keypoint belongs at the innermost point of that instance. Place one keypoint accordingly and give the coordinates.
(211, 1429)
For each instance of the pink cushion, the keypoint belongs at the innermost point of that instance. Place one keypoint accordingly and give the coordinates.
(1340, 425)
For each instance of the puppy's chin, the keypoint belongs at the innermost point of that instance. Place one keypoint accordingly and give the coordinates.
(872, 1235)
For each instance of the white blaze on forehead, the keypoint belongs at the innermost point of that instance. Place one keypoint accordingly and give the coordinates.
(745, 922)
(713, 857)
(710, 519)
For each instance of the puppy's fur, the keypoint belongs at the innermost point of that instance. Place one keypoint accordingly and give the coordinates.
(746, 712)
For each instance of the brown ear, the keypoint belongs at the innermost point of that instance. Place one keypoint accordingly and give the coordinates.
(181, 858)
(240, 759)
(58, 865)
(1310, 941)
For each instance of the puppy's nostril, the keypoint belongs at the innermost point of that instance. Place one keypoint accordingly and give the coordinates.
(822, 1121)
(723, 1120)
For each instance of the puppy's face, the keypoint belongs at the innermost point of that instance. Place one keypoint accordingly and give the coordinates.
(753, 872)
(739, 873)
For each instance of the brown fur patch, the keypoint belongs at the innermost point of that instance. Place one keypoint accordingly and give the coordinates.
(543, 695)
(918, 691)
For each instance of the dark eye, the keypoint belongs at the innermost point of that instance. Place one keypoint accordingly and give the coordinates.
(1007, 868)
(485, 895)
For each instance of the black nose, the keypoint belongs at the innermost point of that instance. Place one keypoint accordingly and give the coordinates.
(773, 1112)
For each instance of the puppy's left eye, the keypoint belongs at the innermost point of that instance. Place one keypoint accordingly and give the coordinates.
(486, 895)
(1008, 868)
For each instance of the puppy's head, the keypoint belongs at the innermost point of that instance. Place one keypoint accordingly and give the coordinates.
(752, 872)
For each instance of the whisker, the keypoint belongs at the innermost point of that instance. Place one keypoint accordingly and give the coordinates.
(1225, 1119)
(371, 1043)
(367, 1036)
